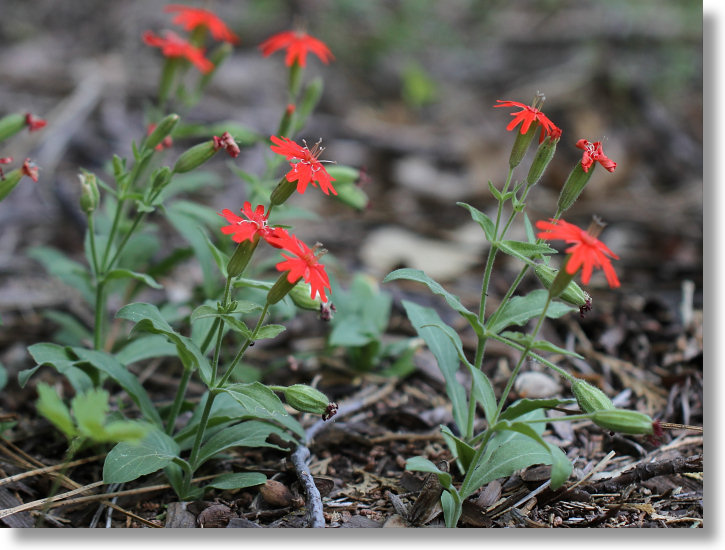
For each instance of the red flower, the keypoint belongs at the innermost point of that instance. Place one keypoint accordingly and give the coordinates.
(587, 251)
(528, 116)
(165, 143)
(307, 169)
(227, 143)
(304, 264)
(33, 122)
(173, 46)
(297, 44)
(30, 169)
(253, 227)
(593, 153)
(191, 18)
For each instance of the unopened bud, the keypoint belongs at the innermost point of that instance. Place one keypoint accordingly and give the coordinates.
(623, 421)
(241, 257)
(90, 197)
(306, 399)
(195, 156)
(590, 398)
(11, 125)
(283, 191)
(572, 293)
(300, 295)
(9, 181)
(574, 185)
(160, 179)
(521, 145)
(543, 157)
(161, 131)
(280, 289)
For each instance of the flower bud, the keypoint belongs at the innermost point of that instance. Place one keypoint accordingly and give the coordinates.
(300, 295)
(160, 179)
(543, 157)
(90, 197)
(623, 421)
(306, 399)
(572, 293)
(241, 257)
(280, 289)
(283, 191)
(521, 145)
(11, 125)
(590, 398)
(9, 181)
(195, 156)
(573, 187)
(160, 131)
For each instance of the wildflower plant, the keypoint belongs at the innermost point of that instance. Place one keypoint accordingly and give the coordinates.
(509, 436)
(124, 255)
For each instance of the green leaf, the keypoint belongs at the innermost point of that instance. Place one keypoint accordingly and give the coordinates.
(52, 407)
(59, 358)
(90, 410)
(460, 449)
(3, 376)
(351, 195)
(145, 347)
(445, 352)
(452, 300)
(269, 331)
(481, 219)
(128, 274)
(452, 507)
(541, 345)
(495, 192)
(242, 306)
(72, 332)
(220, 258)
(125, 430)
(148, 318)
(237, 480)
(112, 367)
(421, 464)
(129, 461)
(258, 401)
(519, 309)
(525, 251)
(530, 233)
(70, 272)
(252, 433)
(483, 392)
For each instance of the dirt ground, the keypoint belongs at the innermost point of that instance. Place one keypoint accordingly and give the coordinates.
(409, 100)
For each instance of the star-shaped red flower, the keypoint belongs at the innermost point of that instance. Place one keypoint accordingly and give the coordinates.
(586, 252)
(304, 263)
(527, 116)
(255, 225)
(306, 169)
(173, 46)
(298, 44)
(593, 153)
(190, 18)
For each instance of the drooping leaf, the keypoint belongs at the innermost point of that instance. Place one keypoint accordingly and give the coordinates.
(481, 219)
(120, 273)
(519, 309)
(524, 406)
(422, 464)
(148, 318)
(129, 461)
(445, 352)
(541, 345)
(236, 480)
(252, 433)
(525, 251)
(435, 288)
(59, 358)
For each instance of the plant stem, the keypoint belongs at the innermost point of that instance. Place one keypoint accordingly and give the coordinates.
(240, 354)
(178, 400)
(100, 310)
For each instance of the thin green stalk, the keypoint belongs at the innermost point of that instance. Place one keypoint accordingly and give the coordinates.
(240, 354)
(100, 310)
(524, 354)
(126, 237)
(178, 401)
(201, 429)
(220, 333)
(92, 241)
(471, 410)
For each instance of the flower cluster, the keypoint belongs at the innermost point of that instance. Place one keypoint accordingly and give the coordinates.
(301, 262)
(306, 168)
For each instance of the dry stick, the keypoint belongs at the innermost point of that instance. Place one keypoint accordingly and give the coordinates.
(647, 470)
(41, 502)
(302, 454)
(48, 469)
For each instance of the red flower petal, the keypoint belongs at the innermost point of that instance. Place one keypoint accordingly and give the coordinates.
(191, 18)
(298, 44)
